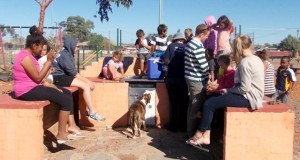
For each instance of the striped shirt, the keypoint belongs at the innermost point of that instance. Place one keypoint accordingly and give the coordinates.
(161, 44)
(269, 80)
(195, 63)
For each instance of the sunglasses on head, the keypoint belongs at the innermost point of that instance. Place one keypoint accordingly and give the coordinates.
(204, 29)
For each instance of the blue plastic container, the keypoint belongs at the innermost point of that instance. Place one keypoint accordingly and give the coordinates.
(155, 68)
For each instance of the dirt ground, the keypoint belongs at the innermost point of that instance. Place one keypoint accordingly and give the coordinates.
(158, 144)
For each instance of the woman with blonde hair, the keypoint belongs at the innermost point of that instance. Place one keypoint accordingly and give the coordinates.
(248, 90)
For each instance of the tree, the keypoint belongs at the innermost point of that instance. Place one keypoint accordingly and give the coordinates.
(95, 40)
(290, 43)
(4, 31)
(78, 28)
(104, 7)
(271, 45)
(43, 4)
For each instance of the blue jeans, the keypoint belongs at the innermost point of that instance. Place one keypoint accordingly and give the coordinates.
(220, 101)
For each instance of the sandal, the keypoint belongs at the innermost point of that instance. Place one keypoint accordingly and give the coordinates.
(62, 141)
(199, 141)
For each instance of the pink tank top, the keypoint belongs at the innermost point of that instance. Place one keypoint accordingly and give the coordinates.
(223, 41)
(22, 82)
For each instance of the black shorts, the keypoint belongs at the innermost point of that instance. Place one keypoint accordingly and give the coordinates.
(63, 80)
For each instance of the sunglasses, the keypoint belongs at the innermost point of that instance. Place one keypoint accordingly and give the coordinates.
(204, 29)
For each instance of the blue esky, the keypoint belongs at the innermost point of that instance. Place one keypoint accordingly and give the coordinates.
(270, 21)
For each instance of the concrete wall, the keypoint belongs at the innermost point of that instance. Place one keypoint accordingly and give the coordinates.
(260, 135)
(110, 99)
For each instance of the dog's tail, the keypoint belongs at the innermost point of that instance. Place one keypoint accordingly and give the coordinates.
(133, 120)
(130, 120)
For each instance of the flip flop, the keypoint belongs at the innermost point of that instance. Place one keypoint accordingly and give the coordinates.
(77, 134)
(75, 137)
(62, 141)
(200, 147)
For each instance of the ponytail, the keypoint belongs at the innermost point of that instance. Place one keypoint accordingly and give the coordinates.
(240, 43)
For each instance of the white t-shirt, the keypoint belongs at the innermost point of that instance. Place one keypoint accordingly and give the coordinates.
(41, 62)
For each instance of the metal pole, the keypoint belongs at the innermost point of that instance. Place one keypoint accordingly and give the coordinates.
(235, 31)
(117, 38)
(240, 29)
(78, 63)
(1, 50)
(120, 39)
(108, 42)
(83, 56)
(97, 53)
(160, 12)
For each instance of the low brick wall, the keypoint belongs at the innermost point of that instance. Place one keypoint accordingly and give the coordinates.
(265, 134)
(22, 126)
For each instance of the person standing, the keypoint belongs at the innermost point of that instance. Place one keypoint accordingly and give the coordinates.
(211, 41)
(269, 90)
(161, 41)
(285, 80)
(188, 33)
(143, 45)
(176, 85)
(196, 75)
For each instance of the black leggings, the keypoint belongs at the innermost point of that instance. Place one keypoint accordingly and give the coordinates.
(63, 100)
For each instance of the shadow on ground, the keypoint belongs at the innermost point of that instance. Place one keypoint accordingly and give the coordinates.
(174, 146)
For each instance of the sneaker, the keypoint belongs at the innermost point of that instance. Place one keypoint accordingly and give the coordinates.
(95, 116)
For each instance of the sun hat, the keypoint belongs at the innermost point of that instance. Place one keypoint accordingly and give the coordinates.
(178, 36)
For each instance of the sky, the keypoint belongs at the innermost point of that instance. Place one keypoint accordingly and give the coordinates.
(268, 21)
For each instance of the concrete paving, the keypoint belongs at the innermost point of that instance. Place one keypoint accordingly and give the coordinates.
(113, 144)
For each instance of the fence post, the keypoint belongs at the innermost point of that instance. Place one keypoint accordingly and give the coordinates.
(97, 53)
(78, 63)
(82, 56)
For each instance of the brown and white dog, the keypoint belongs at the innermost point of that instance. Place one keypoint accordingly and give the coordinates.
(137, 113)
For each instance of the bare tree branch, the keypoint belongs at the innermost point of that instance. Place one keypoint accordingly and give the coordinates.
(39, 2)
(47, 3)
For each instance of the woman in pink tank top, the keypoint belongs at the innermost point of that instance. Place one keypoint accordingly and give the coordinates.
(28, 78)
